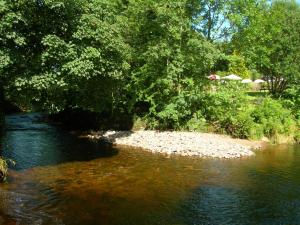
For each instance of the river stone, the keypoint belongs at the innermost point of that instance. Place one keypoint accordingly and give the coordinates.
(178, 143)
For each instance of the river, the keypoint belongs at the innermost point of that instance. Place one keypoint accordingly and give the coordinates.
(61, 179)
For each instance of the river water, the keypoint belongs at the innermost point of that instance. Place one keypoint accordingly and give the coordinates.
(61, 179)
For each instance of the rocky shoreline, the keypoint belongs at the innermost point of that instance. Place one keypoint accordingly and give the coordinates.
(180, 143)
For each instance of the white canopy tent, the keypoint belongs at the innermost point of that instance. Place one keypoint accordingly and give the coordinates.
(247, 81)
(258, 81)
(232, 77)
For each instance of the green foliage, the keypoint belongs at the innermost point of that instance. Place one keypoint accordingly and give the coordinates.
(269, 118)
(211, 16)
(237, 66)
(106, 56)
(170, 59)
(270, 42)
(243, 125)
(291, 98)
(3, 168)
(232, 112)
(275, 119)
(232, 64)
(197, 123)
(174, 114)
(80, 57)
(221, 107)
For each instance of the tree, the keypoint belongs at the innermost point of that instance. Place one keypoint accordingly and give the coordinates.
(102, 55)
(93, 64)
(211, 18)
(67, 53)
(169, 58)
(24, 24)
(270, 42)
(10, 42)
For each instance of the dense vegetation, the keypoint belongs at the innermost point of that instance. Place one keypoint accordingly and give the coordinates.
(148, 61)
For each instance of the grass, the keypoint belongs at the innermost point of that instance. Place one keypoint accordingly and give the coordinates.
(257, 94)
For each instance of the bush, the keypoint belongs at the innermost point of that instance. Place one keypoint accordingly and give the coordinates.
(275, 119)
(243, 126)
(269, 118)
(176, 113)
(140, 123)
(231, 112)
(291, 99)
(233, 63)
(170, 116)
(228, 110)
(221, 107)
(196, 123)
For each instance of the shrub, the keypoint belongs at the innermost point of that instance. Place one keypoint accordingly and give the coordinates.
(222, 106)
(176, 113)
(275, 119)
(139, 124)
(233, 63)
(237, 65)
(196, 123)
(231, 112)
(291, 99)
(169, 117)
(243, 126)
(228, 110)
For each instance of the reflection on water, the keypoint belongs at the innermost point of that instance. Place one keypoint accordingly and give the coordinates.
(32, 143)
(64, 180)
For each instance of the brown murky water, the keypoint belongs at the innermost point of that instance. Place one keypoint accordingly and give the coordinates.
(60, 179)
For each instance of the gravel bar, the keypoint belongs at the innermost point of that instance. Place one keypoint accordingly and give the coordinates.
(180, 143)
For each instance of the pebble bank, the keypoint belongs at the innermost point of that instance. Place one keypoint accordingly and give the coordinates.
(180, 143)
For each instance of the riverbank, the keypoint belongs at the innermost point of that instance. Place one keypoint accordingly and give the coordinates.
(180, 143)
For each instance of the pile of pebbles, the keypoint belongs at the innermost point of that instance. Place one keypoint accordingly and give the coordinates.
(179, 143)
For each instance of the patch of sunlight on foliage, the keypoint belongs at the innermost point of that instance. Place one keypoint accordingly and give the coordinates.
(3, 167)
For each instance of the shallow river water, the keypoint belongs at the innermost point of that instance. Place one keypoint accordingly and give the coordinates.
(61, 179)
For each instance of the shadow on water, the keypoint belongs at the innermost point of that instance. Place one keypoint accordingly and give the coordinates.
(66, 180)
(262, 190)
(142, 188)
(30, 142)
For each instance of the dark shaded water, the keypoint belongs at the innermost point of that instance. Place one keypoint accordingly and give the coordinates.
(60, 179)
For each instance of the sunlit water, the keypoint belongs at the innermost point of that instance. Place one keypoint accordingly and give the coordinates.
(61, 179)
